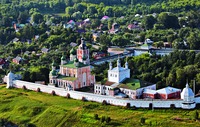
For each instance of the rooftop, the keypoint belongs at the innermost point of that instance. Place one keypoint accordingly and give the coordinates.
(168, 90)
(71, 64)
(130, 84)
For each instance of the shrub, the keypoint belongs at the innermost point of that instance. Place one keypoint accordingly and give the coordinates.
(103, 119)
(53, 93)
(108, 119)
(68, 95)
(24, 87)
(196, 115)
(134, 107)
(128, 105)
(38, 90)
(96, 117)
(83, 99)
(142, 120)
(104, 102)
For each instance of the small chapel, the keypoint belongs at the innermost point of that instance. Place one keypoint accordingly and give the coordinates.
(74, 73)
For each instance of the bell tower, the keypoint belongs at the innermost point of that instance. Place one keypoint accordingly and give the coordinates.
(83, 53)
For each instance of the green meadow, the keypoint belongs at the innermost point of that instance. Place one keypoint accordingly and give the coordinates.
(33, 109)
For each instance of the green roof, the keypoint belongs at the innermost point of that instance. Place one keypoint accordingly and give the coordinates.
(72, 65)
(145, 45)
(53, 64)
(67, 78)
(63, 58)
(130, 84)
(73, 51)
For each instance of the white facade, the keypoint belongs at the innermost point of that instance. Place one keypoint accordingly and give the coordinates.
(133, 94)
(118, 74)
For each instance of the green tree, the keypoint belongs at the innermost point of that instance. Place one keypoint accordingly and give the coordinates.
(37, 18)
(149, 22)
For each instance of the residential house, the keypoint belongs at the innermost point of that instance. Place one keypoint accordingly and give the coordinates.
(104, 18)
(45, 50)
(133, 27)
(98, 55)
(114, 29)
(17, 60)
(15, 40)
(71, 24)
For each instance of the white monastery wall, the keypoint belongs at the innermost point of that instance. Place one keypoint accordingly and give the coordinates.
(100, 98)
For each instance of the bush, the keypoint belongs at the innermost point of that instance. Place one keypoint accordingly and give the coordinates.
(196, 115)
(53, 93)
(38, 90)
(134, 107)
(83, 99)
(96, 117)
(142, 120)
(68, 95)
(128, 105)
(108, 119)
(24, 87)
(103, 119)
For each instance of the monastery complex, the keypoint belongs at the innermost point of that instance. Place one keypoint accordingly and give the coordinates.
(120, 89)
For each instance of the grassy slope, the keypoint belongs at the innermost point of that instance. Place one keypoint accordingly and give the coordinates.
(45, 110)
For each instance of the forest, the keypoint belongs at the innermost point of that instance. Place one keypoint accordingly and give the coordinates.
(172, 21)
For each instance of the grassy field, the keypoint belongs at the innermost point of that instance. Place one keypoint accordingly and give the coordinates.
(24, 108)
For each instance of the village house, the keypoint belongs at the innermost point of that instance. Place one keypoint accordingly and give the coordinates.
(71, 24)
(133, 27)
(104, 18)
(45, 50)
(17, 60)
(98, 55)
(114, 29)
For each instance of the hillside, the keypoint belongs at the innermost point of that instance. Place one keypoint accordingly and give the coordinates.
(28, 108)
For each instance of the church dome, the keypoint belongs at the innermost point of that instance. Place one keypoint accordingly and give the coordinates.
(73, 51)
(53, 64)
(75, 60)
(63, 58)
(187, 92)
(53, 73)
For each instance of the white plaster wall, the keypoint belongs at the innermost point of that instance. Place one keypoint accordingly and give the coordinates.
(100, 98)
(124, 74)
(197, 99)
(113, 78)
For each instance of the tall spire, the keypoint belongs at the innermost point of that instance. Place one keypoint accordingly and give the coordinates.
(187, 85)
(118, 62)
(110, 65)
(126, 64)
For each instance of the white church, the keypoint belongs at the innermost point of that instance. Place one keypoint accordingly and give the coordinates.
(114, 85)
(118, 74)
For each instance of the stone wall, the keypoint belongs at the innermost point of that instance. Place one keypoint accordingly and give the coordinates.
(143, 103)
